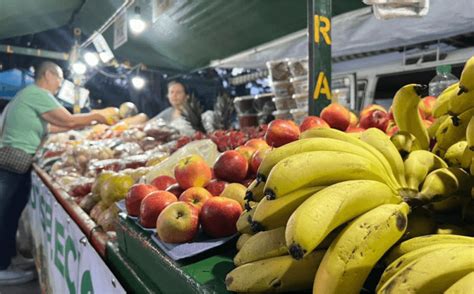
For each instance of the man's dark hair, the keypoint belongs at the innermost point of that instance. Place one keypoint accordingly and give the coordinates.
(176, 82)
(45, 66)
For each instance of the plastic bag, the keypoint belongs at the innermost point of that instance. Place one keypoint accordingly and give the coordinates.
(206, 148)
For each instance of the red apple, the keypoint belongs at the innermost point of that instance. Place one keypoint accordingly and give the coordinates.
(219, 215)
(371, 107)
(246, 151)
(178, 223)
(354, 120)
(175, 189)
(231, 166)
(163, 182)
(257, 144)
(257, 159)
(152, 205)
(247, 181)
(351, 129)
(192, 171)
(135, 196)
(337, 116)
(196, 196)
(426, 106)
(215, 187)
(375, 119)
(311, 121)
(281, 132)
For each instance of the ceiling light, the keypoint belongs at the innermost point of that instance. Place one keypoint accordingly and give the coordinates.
(138, 82)
(91, 58)
(79, 68)
(137, 25)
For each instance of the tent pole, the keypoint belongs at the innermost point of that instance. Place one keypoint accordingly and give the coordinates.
(319, 54)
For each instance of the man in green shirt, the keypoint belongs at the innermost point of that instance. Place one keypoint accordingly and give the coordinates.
(29, 116)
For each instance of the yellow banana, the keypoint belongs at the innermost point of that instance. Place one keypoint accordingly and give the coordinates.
(420, 222)
(441, 105)
(467, 157)
(460, 103)
(401, 262)
(320, 168)
(245, 219)
(308, 145)
(418, 164)
(329, 208)
(380, 141)
(466, 82)
(454, 229)
(470, 133)
(339, 135)
(454, 130)
(406, 114)
(405, 143)
(255, 191)
(424, 241)
(450, 204)
(438, 151)
(351, 257)
(454, 154)
(276, 274)
(442, 183)
(463, 285)
(271, 214)
(262, 245)
(434, 270)
(436, 124)
(241, 241)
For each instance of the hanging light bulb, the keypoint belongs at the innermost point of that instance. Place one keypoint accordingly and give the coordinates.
(91, 58)
(79, 68)
(137, 25)
(138, 82)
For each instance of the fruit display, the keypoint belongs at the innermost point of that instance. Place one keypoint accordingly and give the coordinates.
(385, 209)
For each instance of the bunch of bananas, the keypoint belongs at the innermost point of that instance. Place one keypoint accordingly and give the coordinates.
(325, 210)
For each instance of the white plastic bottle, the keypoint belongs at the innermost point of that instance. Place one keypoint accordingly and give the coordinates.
(443, 79)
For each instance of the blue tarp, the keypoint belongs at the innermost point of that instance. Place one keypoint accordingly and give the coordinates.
(12, 81)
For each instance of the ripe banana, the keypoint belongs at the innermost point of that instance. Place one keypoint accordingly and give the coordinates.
(470, 133)
(339, 135)
(434, 270)
(420, 222)
(405, 143)
(277, 274)
(320, 168)
(271, 214)
(329, 208)
(453, 130)
(424, 241)
(438, 151)
(380, 141)
(418, 164)
(245, 219)
(406, 259)
(308, 145)
(444, 182)
(356, 250)
(454, 229)
(466, 82)
(405, 112)
(241, 241)
(463, 285)
(436, 124)
(255, 191)
(262, 245)
(454, 154)
(460, 103)
(441, 105)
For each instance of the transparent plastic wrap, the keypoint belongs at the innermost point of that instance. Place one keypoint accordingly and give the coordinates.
(279, 70)
(206, 148)
(298, 67)
(388, 9)
(95, 167)
(160, 130)
(127, 149)
(80, 187)
(133, 135)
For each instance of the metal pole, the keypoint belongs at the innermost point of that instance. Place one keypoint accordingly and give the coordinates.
(319, 54)
(9, 49)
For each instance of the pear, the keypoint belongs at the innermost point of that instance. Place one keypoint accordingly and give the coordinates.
(235, 191)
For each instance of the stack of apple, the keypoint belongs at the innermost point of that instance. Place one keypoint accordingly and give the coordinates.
(198, 195)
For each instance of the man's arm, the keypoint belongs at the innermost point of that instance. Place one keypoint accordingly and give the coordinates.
(60, 117)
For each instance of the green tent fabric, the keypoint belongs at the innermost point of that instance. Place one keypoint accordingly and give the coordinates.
(186, 36)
